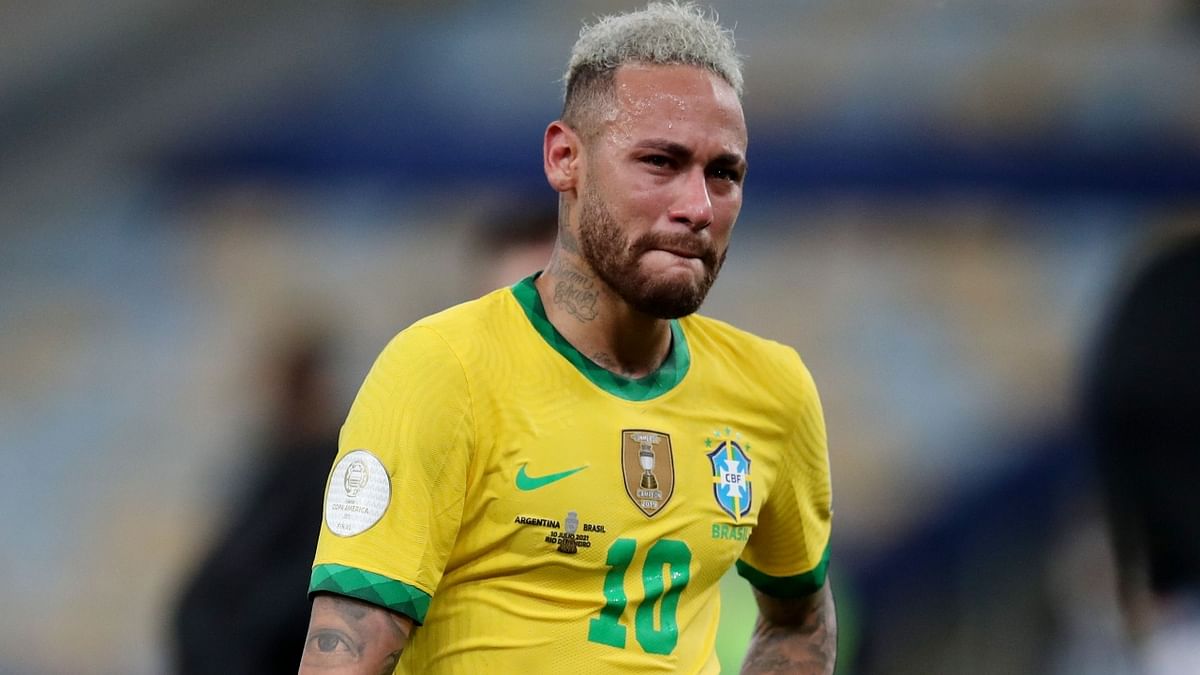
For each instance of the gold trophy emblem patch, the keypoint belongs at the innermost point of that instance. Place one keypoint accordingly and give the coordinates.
(648, 467)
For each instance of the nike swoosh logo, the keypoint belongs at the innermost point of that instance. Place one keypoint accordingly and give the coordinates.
(526, 482)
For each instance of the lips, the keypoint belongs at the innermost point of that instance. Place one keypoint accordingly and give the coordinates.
(687, 247)
(682, 253)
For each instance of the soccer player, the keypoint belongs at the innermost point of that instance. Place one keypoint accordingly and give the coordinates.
(554, 477)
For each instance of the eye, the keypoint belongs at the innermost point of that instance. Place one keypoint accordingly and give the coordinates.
(328, 648)
(330, 642)
(659, 161)
(725, 173)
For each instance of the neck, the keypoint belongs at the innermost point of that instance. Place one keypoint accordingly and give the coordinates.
(597, 322)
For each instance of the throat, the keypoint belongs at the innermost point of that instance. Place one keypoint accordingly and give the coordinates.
(633, 371)
(600, 326)
(630, 348)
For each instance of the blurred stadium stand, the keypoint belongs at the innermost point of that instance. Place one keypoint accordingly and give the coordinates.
(940, 196)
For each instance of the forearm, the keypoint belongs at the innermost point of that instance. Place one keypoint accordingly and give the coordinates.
(350, 637)
(785, 640)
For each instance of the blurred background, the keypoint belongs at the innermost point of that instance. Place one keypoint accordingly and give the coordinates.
(943, 196)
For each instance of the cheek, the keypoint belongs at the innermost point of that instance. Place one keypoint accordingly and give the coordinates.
(638, 211)
(724, 216)
(645, 198)
(626, 197)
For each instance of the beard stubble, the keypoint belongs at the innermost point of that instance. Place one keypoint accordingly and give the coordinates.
(616, 260)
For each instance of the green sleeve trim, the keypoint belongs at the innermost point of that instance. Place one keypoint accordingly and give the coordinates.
(787, 587)
(370, 587)
(669, 374)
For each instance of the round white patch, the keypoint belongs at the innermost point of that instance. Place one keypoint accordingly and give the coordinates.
(358, 495)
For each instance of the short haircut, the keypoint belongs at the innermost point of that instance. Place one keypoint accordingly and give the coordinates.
(661, 34)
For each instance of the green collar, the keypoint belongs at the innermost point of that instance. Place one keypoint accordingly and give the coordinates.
(669, 374)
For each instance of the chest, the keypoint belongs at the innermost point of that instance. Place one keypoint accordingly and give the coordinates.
(563, 480)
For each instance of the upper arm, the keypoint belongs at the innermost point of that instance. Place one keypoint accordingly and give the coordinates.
(794, 635)
(798, 611)
(393, 504)
(350, 636)
(788, 550)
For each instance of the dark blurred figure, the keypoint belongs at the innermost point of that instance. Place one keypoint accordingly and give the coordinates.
(512, 244)
(246, 611)
(1143, 408)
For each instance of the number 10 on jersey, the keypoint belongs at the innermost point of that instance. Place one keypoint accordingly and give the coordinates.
(666, 555)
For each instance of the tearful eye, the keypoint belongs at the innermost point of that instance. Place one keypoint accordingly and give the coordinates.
(726, 174)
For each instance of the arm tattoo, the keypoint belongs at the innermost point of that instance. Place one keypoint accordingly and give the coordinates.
(794, 636)
(389, 664)
(350, 636)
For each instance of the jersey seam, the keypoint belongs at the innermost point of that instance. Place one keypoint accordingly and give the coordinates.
(470, 404)
(809, 400)
(799, 436)
(798, 447)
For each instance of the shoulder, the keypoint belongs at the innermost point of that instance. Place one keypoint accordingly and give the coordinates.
(455, 329)
(444, 342)
(771, 363)
(464, 320)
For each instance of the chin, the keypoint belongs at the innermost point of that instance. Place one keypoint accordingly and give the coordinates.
(669, 291)
(665, 298)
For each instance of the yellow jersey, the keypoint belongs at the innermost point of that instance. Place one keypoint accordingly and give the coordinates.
(533, 512)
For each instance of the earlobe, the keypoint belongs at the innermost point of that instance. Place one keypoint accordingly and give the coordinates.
(561, 156)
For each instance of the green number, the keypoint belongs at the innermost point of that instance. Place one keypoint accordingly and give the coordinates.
(607, 630)
(673, 557)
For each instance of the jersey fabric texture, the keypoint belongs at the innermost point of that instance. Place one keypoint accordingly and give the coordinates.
(546, 515)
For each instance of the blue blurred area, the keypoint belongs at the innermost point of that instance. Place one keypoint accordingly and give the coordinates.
(430, 103)
(332, 146)
(941, 199)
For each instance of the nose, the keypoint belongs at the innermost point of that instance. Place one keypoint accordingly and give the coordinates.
(693, 206)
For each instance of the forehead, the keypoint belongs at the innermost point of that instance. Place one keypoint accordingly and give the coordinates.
(677, 102)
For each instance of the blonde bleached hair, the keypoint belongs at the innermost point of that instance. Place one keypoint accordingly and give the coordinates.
(663, 33)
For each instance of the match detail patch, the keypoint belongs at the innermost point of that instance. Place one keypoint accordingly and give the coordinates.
(358, 495)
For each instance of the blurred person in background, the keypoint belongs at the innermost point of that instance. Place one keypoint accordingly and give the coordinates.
(1143, 410)
(248, 593)
(512, 244)
(559, 473)
(243, 596)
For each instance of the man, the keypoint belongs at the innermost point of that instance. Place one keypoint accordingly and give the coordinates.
(242, 595)
(554, 477)
(1141, 405)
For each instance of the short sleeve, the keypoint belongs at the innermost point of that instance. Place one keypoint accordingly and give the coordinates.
(394, 500)
(787, 554)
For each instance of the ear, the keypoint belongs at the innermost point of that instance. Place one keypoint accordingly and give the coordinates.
(562, 156)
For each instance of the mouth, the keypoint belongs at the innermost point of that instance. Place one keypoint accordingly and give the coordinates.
(681, 249)
(680, 252)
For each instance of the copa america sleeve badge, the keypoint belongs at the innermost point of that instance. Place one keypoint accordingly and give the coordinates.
(358, 495)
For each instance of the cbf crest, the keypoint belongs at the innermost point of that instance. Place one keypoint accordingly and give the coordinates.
(731, 474)
(648, 467)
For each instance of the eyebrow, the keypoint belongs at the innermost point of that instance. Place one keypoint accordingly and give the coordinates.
(680, 151)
